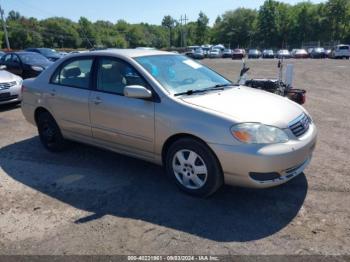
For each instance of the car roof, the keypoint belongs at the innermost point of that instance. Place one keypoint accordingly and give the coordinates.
(131, 53)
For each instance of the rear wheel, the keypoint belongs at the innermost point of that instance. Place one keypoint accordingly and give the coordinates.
(49, 133)
(193, 167)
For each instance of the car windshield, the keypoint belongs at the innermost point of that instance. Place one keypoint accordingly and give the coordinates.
(319, 49)
(32, 58)
(48, 51)
(180, 74)
(253, 51)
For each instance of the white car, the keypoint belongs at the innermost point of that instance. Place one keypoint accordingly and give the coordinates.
(215, 53)
(10, 88)
(341, 51)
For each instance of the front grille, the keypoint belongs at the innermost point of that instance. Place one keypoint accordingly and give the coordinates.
(300, 125)
(7, 85)
(7, 97)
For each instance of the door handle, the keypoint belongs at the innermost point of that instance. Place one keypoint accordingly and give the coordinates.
(97, 101)
(53, 92)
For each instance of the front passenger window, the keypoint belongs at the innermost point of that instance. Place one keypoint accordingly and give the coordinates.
(114, 75)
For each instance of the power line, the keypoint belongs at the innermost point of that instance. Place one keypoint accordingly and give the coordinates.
(38, 10)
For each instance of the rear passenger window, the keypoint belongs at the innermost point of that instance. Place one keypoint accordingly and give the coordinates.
(113, 75)
(75, 74)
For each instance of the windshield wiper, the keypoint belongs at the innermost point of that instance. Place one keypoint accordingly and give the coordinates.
(223, 85)
(212, 88)
(191, 91)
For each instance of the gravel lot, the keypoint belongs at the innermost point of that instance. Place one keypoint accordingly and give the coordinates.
(89, 201)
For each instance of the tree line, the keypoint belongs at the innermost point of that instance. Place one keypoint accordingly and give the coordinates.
(274, 24)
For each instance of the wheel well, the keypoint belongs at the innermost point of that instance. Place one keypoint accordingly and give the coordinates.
(177, 137)
(38, 111)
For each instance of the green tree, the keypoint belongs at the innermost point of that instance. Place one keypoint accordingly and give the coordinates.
(236, 28)
(338, 17)
(202, 29)
(87, 33)
(169, 23)
(267, 23)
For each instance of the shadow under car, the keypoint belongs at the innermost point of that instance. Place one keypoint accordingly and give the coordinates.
(107, 183)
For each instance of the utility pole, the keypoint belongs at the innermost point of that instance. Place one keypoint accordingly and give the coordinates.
(5, 28)
(183, 21)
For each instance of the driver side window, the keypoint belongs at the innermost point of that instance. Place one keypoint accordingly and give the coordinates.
(113, 75)
(7, 58)
(15, 59)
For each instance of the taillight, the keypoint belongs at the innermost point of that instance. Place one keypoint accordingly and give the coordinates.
(297, 95)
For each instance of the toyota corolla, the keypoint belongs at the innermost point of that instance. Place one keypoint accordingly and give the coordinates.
(170, 110)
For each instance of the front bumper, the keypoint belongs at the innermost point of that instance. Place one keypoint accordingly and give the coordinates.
(288, 160)
(10, 95)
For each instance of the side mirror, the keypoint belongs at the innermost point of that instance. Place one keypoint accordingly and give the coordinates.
(136, 91)
(3, 67)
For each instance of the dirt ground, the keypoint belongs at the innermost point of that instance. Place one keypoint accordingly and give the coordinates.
(89, 201)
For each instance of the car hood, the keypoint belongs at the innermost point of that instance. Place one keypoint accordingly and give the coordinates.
(245, 104)
(7, 76)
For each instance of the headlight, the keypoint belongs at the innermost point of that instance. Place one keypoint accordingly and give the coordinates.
(19, 81)
(255, 133)
(37, 68)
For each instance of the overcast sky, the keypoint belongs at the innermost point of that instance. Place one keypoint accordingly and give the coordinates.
(150, 11)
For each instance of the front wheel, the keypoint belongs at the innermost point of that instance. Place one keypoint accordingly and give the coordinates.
(49, 133)
(193, 167)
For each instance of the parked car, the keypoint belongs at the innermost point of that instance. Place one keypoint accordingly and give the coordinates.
(10, 87)
(215, 53)
(198, 53)
(299, 53)
(309, 50)
(25, 64)
(328, 53)
(190, 50)
(78, 51)
(318, 52)
(268, 53)
(283, 53)
(2, 53)
(254, 53)
(227, 53)
(341, 51)
(206, 49)
(63, 53)
(219, 46)
(50, 54)
(172, 111)
(238, 54)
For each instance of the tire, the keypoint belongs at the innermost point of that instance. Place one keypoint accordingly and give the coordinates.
(50, 133)
(193, 167)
